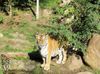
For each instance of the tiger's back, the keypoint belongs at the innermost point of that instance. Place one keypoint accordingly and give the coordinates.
(53, 45)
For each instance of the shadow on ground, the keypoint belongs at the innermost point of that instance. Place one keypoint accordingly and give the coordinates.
(35, 55)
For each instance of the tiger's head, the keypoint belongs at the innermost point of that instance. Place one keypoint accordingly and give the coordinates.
(41, 39)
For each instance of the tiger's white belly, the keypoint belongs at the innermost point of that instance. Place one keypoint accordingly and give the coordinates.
(44, 52)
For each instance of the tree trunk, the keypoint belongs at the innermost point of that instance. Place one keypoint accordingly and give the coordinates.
(37, 9)
(10, 8)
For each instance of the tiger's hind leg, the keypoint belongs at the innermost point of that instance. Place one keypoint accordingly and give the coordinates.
(60, 57)
(64, 56)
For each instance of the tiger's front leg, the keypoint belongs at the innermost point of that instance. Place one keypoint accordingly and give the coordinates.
(48, 61)
(44, 62)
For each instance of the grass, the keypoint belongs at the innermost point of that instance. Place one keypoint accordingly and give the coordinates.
(1, 72)
(9, 48)
(37, 70)
(1, 19)
(26, 28)
(96, 71)
(7, 32)
(21, 58)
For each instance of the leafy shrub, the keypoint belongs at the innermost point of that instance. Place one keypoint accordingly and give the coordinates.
(65, 10)
(49, 3)
(79, 31)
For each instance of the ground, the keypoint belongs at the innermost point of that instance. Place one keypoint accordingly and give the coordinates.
(13, 65)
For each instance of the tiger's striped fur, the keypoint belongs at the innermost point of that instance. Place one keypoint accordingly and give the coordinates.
(50, 47)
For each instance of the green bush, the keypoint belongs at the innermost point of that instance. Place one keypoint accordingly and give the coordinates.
(49, 3)
(65, 10)
(79, 31)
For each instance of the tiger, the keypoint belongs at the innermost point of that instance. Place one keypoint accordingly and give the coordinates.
(48, 48)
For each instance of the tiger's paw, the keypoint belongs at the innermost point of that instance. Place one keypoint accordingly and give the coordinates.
(42, 65)
(46, 67)
(63, 62)
(58, 62)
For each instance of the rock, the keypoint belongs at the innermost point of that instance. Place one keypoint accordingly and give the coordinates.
(92, 56)
(25, 65)
(10, 65)
(75, 63)
(85, 72)
(18, 72)
(9, 61)
(12, 55)
(21, 65)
